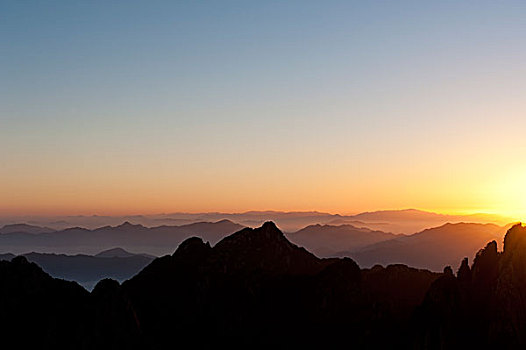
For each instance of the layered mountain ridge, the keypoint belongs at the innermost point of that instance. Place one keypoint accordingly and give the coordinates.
(404, 221)
(155, 241)
(431, 248)
(256, 289)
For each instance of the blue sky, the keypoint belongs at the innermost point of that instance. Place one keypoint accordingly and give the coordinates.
(381, 93)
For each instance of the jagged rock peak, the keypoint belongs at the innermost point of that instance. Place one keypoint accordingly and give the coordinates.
(267, 234)
(270, 227)
(489, 250)
(264, 248)
(485, 263)
(192, 247)
(464, 272)
(106, 286)
(448, 271)
(515, 238)
(20, 260)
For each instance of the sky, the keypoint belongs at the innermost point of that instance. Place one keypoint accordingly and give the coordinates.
(123, 107)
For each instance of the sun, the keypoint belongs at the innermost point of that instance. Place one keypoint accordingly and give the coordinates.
(508, 195)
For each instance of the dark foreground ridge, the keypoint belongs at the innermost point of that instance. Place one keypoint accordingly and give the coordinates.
(255, 289)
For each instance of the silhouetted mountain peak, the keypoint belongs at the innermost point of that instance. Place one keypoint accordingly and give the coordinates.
(464, 272)
(270, 231)
(268, 235)
(20, 260)
(106, 286)
(269, 225)
(489, 250)
(265, 248)
(192, 248)
(485, 264)
(515, 239)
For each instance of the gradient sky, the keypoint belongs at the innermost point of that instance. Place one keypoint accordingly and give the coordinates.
(114, 107)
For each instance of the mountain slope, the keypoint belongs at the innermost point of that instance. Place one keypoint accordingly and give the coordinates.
(432, 248)
(482, 307)
(327, 240)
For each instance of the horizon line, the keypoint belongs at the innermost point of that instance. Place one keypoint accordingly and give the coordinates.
(239, 212)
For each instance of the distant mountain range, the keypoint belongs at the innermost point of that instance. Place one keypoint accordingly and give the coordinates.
(431, 248)
(155, 240)
(396, 221)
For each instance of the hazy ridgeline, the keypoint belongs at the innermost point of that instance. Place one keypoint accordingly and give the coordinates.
(75, 253)
(406, 221)
(156, 241)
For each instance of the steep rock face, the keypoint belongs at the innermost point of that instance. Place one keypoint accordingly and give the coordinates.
(509, 324)
(464, 272)
(485, 269)
(484, 305)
